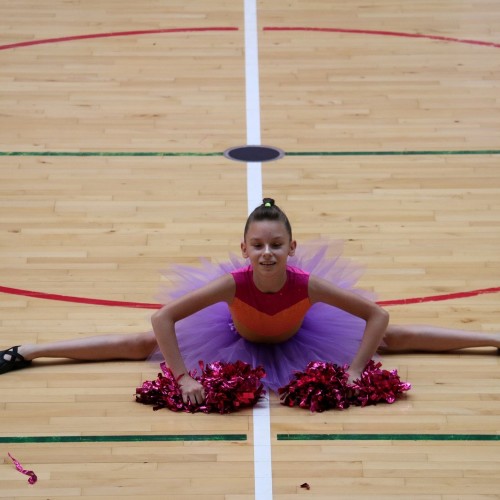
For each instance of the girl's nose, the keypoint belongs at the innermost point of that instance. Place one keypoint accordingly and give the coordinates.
(267, 249)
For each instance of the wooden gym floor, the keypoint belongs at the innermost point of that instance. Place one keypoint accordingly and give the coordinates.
(113, 120)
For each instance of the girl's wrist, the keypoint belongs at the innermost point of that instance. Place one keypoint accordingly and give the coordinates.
(355, 369)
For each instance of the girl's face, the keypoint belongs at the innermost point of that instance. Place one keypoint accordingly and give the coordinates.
(267, 244)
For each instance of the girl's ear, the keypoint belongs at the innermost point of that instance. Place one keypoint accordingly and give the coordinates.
(293, 247)
(244, 252)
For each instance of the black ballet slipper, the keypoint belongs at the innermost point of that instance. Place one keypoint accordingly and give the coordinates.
(16, 361)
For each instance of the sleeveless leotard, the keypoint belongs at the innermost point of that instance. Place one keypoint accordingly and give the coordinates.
(269, 314)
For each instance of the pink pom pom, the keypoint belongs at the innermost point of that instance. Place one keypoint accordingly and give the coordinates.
(323, 386)
(377, 385)
(228, 388)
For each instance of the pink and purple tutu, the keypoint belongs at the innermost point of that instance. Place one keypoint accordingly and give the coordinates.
(327, 334)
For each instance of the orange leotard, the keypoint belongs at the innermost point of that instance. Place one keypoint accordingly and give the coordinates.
(271, 315)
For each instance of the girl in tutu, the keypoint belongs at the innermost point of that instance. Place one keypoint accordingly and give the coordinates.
(280, 310)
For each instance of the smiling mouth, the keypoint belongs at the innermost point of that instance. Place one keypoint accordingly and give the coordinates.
(267, 263)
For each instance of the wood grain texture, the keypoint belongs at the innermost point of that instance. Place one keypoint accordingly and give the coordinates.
(105, 226)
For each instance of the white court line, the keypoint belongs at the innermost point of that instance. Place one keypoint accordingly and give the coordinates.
(254, 169)
(263, 475)
(262, 461)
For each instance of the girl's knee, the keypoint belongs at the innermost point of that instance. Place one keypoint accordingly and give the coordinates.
(142, 345)
(398, 338)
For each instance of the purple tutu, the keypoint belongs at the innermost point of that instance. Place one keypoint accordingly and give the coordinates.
(327, 334)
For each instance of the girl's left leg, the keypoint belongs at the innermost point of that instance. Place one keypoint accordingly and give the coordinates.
(399, 338)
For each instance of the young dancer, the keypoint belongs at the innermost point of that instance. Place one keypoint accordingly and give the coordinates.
(280, 310)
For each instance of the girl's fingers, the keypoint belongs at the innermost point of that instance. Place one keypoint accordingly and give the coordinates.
(195, 396)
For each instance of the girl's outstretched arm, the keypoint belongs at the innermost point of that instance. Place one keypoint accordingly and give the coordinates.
(163, 321)
(375, 317)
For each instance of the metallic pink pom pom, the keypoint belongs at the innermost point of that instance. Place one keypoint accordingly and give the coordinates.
(378, 385)
(324, 386)
(228, 388)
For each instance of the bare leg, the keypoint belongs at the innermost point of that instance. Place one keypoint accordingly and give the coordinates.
(99, 348)
(434, 339)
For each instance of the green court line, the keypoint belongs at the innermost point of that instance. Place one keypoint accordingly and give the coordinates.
(122, 439)
(102, 153)
(388, 437)
(289, 153)
(393, 153)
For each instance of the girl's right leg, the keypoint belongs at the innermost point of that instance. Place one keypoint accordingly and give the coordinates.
(99, 348)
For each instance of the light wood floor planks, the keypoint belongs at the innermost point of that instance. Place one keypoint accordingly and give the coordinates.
(104, 219)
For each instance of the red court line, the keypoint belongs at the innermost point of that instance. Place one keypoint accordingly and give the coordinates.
(113, 34)
(145, 305)
(438, 298)
(384, 33)
(79, 300)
